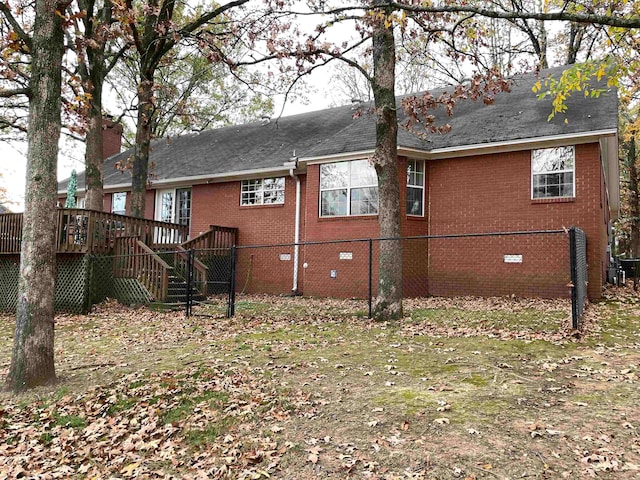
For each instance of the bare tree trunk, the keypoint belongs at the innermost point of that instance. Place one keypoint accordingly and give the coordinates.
(634, 201)
(32, 360)
(94, 163)
(93, 75)
(143, 141)
(388, 304)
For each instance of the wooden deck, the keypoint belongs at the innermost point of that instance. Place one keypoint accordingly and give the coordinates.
(154, 253)
(90, 231)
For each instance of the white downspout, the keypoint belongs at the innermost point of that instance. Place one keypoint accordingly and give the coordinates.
(296, 235)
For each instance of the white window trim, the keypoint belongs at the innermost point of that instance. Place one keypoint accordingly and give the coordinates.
(423, 186)
(113, 195)
(348, 187)
(573, 170)
(283, 189)
(158, 206)
(174, 206)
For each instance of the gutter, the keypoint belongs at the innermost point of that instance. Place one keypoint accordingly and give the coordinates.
(293, 164)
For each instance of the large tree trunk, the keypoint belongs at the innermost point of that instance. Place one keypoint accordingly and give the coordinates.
(32, 359)
(94, 163)
(93, 76)
(634, 200)
(388, 304)
(143, 141)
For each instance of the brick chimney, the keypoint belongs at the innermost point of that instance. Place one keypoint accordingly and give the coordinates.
(111, 137)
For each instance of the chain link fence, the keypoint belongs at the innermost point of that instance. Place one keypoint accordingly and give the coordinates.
(216, 281)
(528, 264)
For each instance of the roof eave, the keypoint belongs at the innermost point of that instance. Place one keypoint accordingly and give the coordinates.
(521, 144)
(197, 179)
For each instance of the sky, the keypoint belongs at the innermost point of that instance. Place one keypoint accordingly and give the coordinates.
(13, 161)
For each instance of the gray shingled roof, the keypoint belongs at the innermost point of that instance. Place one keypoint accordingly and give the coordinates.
(515, 115)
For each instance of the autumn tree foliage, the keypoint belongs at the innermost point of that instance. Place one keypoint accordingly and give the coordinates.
(98, 46)
(154, 28)
(191, 94)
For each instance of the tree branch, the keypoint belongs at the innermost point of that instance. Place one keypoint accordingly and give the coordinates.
(4, 8)
(6, 93)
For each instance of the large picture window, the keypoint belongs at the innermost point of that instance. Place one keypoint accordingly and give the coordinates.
(262, 191)
(553, 172)
(415, 188)
(348, 188)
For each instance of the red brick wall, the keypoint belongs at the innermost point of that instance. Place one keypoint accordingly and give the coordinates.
(149, 204)
(493, 193)
(259, 270)
(352, 275)
(107, 200)
(466, 195)
(111, 137)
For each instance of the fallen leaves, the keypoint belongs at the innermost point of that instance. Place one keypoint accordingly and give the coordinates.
(163, 418)
(333, 396)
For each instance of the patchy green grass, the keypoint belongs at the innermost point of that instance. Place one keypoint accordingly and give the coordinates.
(72, 421)
(211, 433)
(307, 388)
(185, 405)
(527, 319)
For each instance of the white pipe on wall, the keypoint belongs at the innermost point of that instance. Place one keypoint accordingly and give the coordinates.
(296, 235)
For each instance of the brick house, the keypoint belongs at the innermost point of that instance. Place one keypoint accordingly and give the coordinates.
(306, 178)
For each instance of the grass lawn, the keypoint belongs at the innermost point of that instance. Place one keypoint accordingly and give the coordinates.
(301, 388)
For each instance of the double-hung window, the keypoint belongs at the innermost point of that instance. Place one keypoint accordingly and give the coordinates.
(348, 188)
(262, 191)
(553, 172)
(415, 188)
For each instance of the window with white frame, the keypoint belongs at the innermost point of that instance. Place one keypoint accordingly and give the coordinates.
(119, 203)
(415, 188)
(262, 191)
(348, 188)
(553, 172)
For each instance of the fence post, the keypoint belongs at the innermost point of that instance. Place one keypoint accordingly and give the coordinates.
(88, 282)
(574, 276)
(231, 304)
(370, 277)
(189, 299)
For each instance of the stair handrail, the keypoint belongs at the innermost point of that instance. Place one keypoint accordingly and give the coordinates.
(125, 263)
(216, 238)
(150, 270)
(200, 270)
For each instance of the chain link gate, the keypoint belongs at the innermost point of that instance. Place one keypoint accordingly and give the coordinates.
(207, 273)
(579, 274)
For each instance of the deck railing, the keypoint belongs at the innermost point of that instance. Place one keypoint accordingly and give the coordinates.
(92, 231)
(85, 231)
(200, 270)
(10, 232)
